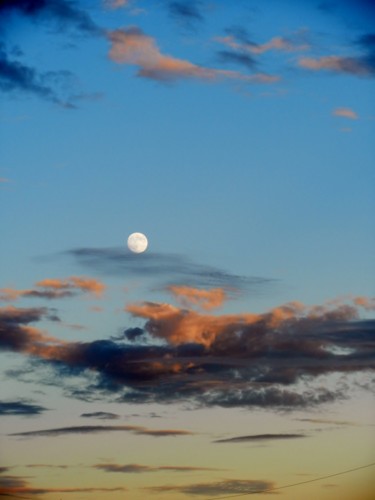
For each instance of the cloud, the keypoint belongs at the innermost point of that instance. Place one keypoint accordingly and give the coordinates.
(367, 303)
(240, 42)
(15, 486)
(325, 421)
(64, 13)
(345, 113)
(260, 437)
(176, 268)
(102, 415)
(94, 429)
(56, 289)
(226, 487)
(4, 180)
(337, 64)
(138, 469)
(277, 359)
(21, 407)
(16, 77)
(131, 46)
(186, 12)
(204, 299)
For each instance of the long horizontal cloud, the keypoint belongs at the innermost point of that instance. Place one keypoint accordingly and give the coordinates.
(102, 415)
(133, 47)
(361, 64)
(94, 429)
(270, 360)
(138, 468)
(56, 289)
(260, 437)
(226, 487)
(177, 269)
(15, 486)
(22, 408)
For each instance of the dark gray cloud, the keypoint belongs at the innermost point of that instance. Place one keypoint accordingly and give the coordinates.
(238, 58)
(94, 429)
(226, 487)
(63, 13)
(102, 415)
(271, 360)
(168, 268)
(138, 468)
(186, 12)
(260, 437)
(21, 407)
(16, 77)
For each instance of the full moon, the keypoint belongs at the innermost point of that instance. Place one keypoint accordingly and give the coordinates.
(137, 242)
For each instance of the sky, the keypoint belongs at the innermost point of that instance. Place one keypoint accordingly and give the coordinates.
(235, 356)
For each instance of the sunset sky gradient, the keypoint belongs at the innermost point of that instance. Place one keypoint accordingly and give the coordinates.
(236, 355)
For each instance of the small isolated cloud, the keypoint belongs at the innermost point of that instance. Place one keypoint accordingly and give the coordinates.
(186, 12)
(226, 487)
(204, 299)
(260, 437)
(21, 407)
(133, 47)
(345, 113)
(3, 180)
(95, 429)
(56, 289)
(102, 415)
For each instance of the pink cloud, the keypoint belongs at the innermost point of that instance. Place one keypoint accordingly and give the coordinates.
(345, 113)
(131, 46)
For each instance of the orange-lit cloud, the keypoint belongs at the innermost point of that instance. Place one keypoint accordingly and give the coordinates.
(345, 113)
(276, 43)
(365, 302)
(205, 299)
(338, 64)
(56, 289)
(132, 46)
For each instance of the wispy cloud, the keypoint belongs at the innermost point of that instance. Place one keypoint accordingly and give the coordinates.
(186, 12)
(170, 269)
(326, 421)
(95, 429)
(56, 289)
(132, 46)
(204, 299)
(226, 487)
(345, 113)
(138, 468)
(260, 437)
(21, 407)
(102, 415)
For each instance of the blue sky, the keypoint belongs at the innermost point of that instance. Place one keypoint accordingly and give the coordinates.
(238, 136)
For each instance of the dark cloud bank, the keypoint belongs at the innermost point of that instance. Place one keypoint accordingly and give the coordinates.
(250, 360)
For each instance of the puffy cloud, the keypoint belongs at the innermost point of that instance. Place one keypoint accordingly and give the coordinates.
(132, 46)
(367, 303)
(277, 359)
